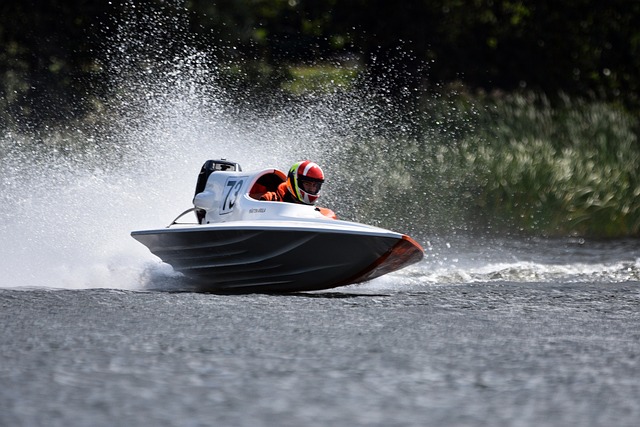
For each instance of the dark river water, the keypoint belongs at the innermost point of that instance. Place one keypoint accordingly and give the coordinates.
(512, 333)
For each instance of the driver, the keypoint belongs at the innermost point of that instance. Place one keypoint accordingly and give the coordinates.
(303, 185)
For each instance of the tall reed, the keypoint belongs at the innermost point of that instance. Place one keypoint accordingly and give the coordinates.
(511, 164)
(571, 168)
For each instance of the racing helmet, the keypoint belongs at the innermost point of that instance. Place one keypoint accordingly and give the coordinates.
(304, 182)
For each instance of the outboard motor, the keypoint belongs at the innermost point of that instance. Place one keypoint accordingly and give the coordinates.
(207, 169)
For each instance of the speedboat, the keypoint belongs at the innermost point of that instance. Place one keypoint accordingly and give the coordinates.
(239, 244)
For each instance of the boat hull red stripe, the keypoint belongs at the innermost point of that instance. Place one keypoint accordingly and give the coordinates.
(405, 252)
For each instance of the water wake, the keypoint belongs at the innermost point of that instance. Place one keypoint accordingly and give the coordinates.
(519, 261)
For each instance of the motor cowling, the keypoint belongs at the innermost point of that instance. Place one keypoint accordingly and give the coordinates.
(207, 169)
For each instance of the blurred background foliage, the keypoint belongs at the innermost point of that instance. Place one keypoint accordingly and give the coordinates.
(53, 52)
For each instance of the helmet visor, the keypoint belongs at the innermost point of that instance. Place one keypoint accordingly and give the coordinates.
(310, 186)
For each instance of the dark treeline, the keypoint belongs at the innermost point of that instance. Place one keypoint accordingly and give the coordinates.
(53, 61)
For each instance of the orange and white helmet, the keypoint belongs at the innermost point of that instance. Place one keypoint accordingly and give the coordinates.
(305, 181)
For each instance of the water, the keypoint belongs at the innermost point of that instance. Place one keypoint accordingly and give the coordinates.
(504, 333)
(460, 354)
(96, 331)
